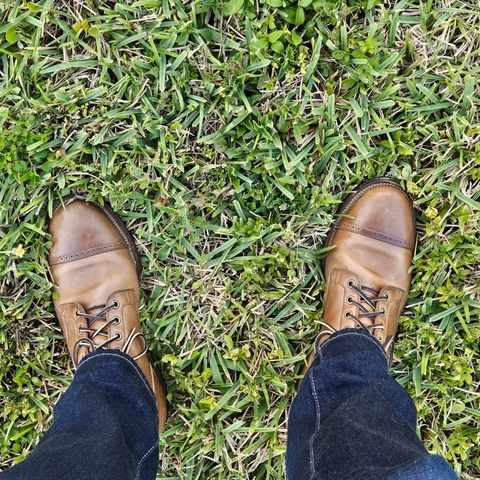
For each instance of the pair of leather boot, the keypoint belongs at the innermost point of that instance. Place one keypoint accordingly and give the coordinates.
(96, 267)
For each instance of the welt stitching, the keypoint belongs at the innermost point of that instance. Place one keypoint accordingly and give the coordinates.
(360, 194)
(62, 204)
(126, 239)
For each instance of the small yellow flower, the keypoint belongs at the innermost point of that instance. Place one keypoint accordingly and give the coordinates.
(18, 251)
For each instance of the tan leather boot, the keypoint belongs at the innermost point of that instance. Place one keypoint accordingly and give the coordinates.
(96, 268)
(367, 273)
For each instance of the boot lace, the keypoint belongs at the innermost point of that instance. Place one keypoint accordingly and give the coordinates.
(367, 309)
(97, 327)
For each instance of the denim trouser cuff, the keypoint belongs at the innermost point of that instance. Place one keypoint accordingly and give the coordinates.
(105, 426)
(350, 419)
(102, 359)
(354, 346)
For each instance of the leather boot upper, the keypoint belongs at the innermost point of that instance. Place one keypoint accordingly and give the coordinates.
(95, 267)
(367, 272)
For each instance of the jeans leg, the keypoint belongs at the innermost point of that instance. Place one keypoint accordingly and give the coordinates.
(105, 426)
(351, 420)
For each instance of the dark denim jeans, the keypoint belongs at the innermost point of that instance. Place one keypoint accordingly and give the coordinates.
(105, 427)
(351, 420)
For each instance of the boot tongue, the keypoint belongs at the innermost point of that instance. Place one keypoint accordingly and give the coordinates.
(94, 309)
(367, 304)
(97, 324)
(100, 302)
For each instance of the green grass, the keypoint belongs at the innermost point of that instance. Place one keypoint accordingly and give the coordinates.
(225, 134)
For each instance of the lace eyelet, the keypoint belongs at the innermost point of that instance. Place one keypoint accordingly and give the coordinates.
(116, 321)
(115, 304)
(350, 300)
(119, 336)
(350, 284)
(347, 314)
(382, 311)
(77, 313)
(387, 297)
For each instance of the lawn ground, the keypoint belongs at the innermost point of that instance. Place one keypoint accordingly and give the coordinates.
(225, 134)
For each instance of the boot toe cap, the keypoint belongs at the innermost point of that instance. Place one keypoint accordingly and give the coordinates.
(384, 212)
(81, 229)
